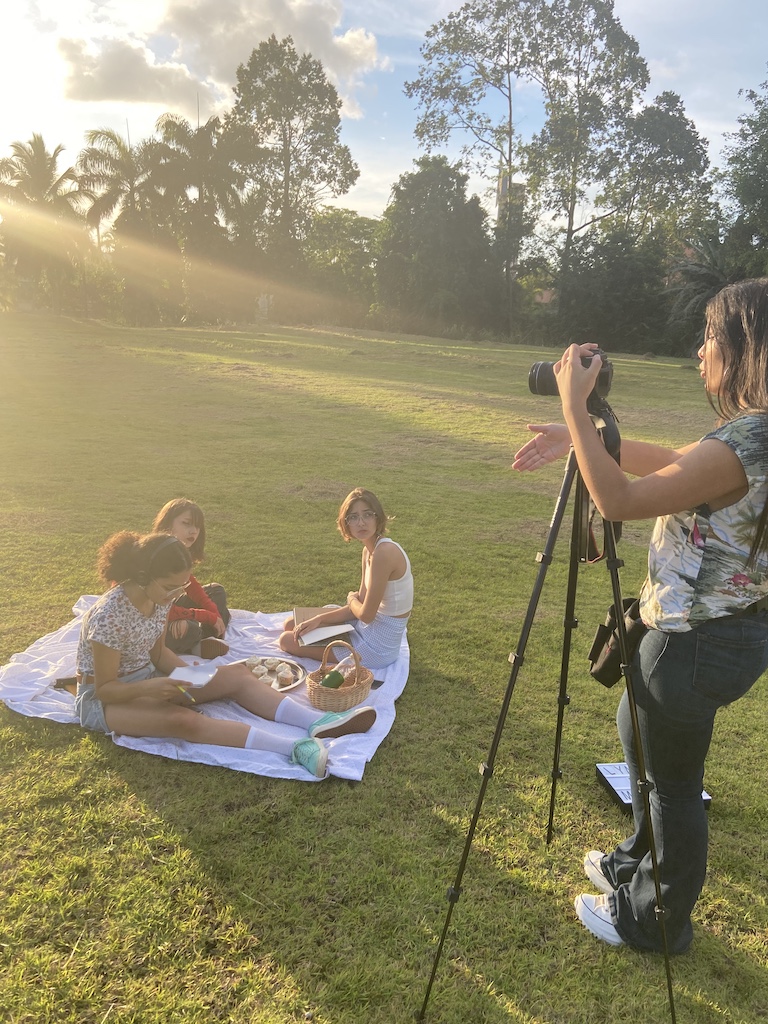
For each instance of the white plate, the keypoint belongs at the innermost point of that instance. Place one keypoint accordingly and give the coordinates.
(299, 673)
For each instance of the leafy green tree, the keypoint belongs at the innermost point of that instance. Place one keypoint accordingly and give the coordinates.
(589, 74)
(655, 172)
(471, 62)
(746, 179)
(40, 208)
(618, 297)
(436, 267)
(285, 130)
(340, 256)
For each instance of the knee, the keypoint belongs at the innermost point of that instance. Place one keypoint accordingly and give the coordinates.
(286, 642)
(289, 624)
(178, 628)
(183, 723)
(233, 677)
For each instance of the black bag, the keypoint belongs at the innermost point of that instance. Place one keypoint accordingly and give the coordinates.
(605, 655)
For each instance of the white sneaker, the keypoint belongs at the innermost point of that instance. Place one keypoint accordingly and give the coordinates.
(594, 913)
(594, 872)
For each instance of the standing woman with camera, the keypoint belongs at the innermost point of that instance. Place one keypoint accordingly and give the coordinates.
(703, 601)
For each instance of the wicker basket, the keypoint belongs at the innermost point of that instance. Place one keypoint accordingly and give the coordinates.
(354, 689)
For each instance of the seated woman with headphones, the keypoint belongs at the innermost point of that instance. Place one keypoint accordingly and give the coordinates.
(123, 666)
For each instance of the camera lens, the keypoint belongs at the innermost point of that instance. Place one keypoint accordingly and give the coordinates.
(541, 379)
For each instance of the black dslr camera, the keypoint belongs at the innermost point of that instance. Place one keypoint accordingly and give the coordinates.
(542, 380)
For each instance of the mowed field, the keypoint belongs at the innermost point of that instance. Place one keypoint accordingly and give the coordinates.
(133, 889)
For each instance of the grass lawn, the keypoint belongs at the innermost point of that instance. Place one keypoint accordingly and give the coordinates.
(133, 889)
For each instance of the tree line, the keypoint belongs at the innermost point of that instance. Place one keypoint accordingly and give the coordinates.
(607, 224)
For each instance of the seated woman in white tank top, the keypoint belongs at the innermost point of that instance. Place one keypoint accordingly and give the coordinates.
(379, 609)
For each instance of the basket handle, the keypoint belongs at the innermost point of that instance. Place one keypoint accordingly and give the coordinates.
(339, 643)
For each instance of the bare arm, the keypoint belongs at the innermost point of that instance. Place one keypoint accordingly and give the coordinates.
(164, 659)
(330, 616)
(110, 690)
(553, 441)
(706, 472)
(387, 562)
(327, 617)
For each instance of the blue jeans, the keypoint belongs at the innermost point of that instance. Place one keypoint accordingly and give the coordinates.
(680, 680)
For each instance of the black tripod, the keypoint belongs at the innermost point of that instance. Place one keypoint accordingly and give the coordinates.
(582, 550)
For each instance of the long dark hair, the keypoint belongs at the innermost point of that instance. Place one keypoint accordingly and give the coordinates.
(172, 510)
(737, 321)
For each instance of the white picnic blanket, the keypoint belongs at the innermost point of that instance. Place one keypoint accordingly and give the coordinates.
(27, 686)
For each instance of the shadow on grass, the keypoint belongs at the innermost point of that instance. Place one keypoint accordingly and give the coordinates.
(328, 899)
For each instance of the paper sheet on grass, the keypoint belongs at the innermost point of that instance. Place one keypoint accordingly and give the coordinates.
(27, 686)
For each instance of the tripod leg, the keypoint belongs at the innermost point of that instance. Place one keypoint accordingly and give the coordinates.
(644, 786)
(516, 659)
(569, 624)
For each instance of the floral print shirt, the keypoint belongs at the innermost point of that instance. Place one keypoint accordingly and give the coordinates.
(114, 622)
(697, 559)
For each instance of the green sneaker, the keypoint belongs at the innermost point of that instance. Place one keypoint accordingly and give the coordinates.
(310, 754)
(342, 723)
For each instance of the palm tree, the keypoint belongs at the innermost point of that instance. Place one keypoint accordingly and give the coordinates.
(38, 203)
(201, 187)
(30, 177)
(697, 277)
(700, 274)
(119, 178)
(198, 175)
(124, 182)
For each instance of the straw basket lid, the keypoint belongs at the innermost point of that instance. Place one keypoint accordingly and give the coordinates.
(355, 688)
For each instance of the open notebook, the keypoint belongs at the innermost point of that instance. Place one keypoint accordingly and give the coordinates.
(323, 634)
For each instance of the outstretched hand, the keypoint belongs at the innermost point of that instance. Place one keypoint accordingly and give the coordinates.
(551, 442)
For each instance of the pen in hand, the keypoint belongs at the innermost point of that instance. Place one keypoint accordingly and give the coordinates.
(187, 694)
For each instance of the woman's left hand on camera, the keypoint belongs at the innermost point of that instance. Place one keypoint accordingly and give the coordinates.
(574, 381)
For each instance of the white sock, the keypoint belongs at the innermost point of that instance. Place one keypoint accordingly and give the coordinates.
(263, 739)
(290, 712)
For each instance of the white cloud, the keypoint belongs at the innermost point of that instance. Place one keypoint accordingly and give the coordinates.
(190, 47)
(122, 63)
(125, 70)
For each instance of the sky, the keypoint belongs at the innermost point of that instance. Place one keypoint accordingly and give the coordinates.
(67, 66)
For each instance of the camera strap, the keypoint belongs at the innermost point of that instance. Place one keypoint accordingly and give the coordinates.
(589, 549)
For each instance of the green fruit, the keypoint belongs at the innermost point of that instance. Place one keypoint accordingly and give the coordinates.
(333, 680)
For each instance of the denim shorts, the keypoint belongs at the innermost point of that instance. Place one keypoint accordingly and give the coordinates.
(90, 709)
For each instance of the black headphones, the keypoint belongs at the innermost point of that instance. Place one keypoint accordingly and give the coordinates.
(144, 577)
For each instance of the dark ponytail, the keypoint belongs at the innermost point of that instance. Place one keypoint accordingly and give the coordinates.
(129, 556)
